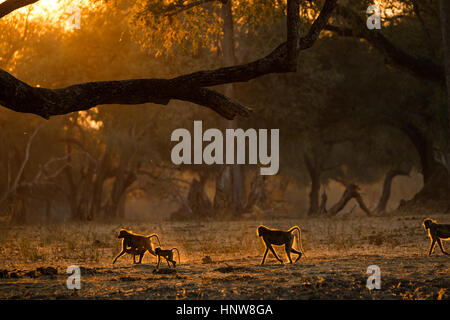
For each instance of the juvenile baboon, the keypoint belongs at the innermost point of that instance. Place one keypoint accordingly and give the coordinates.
(436, 232)
(168, 255)
(135, 244)
(279, 238)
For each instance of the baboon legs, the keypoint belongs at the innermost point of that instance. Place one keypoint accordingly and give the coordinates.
(269, 246)
(288, 253)
(167, 260)
(433, 245)
(289, 248)
(442, 248)
(140, 258)
(119, 255)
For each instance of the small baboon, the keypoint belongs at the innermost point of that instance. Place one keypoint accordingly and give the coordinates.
(279, 238)
(168, 255)
(436, 232)
(135, 244)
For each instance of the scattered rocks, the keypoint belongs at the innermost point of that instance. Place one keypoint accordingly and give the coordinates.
(49, 271)
(206, 260)
(231, 269)
(127, 278)
(31, 274)
(88, 271)
(4, 274)
(164, 271)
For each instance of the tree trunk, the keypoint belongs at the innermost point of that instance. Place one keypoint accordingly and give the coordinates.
(229, 197)
(197, 204)
(444, 10)
(386, 194)
(435, 177)
(123, 180)
(323, 203)
(222, 197)
(19, 214)
(257, 195)
(315, 173)
(351, 191)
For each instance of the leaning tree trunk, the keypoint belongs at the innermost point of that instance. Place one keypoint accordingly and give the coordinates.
(351, 192)
(386, 194)
(435, 177)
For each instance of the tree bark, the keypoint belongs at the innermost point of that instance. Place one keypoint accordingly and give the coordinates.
(351, 191)
(314, 169)
(435, 176)
(21, 97)
(257, 195)
(386, 193)
(229, 57)
(323, 203)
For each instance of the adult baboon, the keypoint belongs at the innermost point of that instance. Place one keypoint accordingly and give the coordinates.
(135, 244)
(279, 238)
(436, 232)
(168, 255)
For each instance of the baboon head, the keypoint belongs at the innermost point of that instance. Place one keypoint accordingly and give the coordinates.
(123, 233)
(426, 223)
(158, 250)
(260, 231)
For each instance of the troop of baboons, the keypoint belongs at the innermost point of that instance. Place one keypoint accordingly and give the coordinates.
(137, 244)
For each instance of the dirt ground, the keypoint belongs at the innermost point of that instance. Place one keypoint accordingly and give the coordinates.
(34, 260)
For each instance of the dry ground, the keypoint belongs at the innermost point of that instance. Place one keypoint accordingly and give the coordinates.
(338, 252)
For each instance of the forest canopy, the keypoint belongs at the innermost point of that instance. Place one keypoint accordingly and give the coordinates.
(87, 111)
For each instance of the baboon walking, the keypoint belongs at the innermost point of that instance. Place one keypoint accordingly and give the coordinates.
(168, 255)
(136, 244)
(279, 238)
(436, 232)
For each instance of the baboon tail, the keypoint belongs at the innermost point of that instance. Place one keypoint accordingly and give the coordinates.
(155, 236)
(178, 253)
(299, 238)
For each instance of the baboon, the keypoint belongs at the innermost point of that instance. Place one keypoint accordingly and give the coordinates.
(436, 232)
(135, 244)
(168, 255)
(279, 238)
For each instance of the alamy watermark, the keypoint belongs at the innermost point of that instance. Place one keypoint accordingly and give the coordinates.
(374, 281)
(74, 20)
(74, 280)
(374, 20)
(235, 140)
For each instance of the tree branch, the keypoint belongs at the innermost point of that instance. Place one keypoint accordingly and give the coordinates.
(183, 7)
(21, 97)
(420, 67)
(11, 5)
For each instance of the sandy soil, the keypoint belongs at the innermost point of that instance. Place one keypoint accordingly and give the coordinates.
(34, 260)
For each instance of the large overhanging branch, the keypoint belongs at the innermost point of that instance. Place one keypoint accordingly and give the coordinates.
(11, 5)
(21, 97)
(419, 67)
